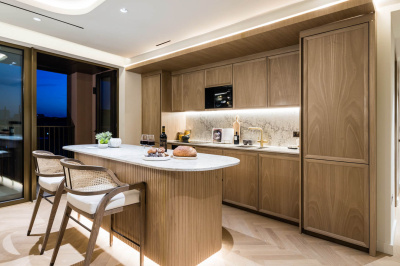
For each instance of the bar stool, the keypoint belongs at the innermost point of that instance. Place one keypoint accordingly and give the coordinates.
(51, 177)
(95, 192)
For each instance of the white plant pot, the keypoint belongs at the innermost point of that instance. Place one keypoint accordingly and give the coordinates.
(102, 146)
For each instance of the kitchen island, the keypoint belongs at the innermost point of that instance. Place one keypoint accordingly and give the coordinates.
(184, 201)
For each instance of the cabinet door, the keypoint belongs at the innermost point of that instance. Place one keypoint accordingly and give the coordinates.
(219, 76)
(193, 91)
(151, 106)
(335, 83)
(336, 200)
(279, 186)
(283, 80)
(209, 150)
(240, 182)
(250, 84)
(177, 93)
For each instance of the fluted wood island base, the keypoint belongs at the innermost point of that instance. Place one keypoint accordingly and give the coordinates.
(184, 207)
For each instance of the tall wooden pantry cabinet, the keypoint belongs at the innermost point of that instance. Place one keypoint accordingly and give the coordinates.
(338, 126)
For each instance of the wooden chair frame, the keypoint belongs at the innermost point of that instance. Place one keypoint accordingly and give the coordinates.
(57, 194)
(100, 211)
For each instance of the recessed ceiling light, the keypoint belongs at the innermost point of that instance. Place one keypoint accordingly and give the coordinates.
(37, 19)
(123, 10)
(3, 57)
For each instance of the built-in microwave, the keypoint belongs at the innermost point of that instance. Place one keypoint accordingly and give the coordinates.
(219, 97)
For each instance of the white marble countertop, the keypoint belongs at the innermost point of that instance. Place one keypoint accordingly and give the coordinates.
(254, 148)
(133, 154)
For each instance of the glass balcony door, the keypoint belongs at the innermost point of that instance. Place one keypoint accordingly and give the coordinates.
(11, 124)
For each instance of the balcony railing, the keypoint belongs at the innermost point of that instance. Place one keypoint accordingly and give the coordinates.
(53, 138)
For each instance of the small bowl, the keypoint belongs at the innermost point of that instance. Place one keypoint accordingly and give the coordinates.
(247, 142)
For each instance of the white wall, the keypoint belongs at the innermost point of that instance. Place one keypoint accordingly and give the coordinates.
(130, 107)
(385, 130)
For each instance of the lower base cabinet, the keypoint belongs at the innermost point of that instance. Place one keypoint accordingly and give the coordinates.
(279, 186)
(240, 182)
(336, 200)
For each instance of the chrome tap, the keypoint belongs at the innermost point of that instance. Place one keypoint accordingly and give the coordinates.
(261, 140)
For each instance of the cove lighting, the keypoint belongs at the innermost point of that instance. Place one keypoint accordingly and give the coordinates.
(239, 32)
(124, 10)
(3, 57)
(246, 111)
(37, 19)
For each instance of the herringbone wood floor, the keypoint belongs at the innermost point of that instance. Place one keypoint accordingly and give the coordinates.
(248, 239)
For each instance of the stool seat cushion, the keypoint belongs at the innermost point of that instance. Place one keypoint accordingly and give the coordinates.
(50, 183)
(89, 204)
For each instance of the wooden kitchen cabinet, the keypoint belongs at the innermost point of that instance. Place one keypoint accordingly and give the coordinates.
(193, 91)
(209, 150)
(250, 84)
(151, 107)
(279, 186)
(218, 76)
(336, 200)
(336, 103)
(177, 97)
(283, 80)
(240, 182)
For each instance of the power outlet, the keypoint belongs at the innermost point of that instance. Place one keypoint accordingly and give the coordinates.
(296, 134)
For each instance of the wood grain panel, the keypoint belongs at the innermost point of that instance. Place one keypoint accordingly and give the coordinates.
(336, 200)
(166, 92)
(209, 150)
(240, 183)
(193, 91)
(177, 97)
(283, 80)
(272, 36)
(218, 76)
(279, 186)
(184, 216)
(336, 95)
(250, 84)
(151, 107)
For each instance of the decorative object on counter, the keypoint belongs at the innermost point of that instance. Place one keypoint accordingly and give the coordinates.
(163, 138)
(217, 135)
(103, 139)
(296, 134)
(180, 135)
(236, 126)
(247, 141)
(227, 135)
(155, 154)
(236, 139)
(184, 151)
(115, 142)
(261, 139)
(186, 136)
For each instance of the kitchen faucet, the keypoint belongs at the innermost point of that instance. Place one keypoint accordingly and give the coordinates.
(262, 140)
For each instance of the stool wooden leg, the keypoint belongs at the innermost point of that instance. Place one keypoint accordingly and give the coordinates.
(61, 234)
(53, 212)
(93, 237)
(111, 230)
(35, 210)
(142, 224)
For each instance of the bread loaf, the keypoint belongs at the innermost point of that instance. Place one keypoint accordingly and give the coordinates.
(185, 151)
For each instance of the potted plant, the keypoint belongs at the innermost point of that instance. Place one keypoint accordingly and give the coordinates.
(103, 139)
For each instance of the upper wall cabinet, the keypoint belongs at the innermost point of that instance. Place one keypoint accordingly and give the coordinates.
(250, 84)
(177, 100)
(335, 83)
(283, 80)
(193, 91)
(219, 76)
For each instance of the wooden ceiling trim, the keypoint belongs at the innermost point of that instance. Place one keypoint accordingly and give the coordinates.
(274, 36)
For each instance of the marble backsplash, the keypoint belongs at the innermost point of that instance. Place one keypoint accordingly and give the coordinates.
(278, 124)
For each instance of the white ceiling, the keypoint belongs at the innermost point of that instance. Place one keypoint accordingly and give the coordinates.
(148, 22)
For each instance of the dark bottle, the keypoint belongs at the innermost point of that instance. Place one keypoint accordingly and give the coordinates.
(163, 139)
(236, 139)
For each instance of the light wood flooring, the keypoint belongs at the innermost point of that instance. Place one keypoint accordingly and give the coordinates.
(248, 239)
